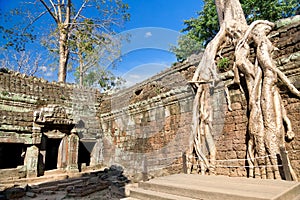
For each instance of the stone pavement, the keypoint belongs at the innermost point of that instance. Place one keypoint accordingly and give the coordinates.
(194, 186)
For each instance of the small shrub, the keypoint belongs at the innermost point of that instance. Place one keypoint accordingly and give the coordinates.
(5, 93)
(223, 64)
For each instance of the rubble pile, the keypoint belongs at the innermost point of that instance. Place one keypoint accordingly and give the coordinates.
(110, 182)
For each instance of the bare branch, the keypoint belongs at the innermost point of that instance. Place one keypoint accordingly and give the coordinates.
(68, 13)
(49, 11)
(34, 20)
(79, 11)
(59, 13)
(53, 6)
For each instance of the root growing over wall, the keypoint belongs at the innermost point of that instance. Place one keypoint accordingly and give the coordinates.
(268, 124)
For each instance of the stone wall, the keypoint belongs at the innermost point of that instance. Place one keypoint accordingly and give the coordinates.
(231, 145)
(35, 117)
(148, 127)
(145, 128)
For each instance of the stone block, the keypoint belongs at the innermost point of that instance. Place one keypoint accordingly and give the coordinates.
(31, 194)
(14, 193)
(241, 154)
(222, 171)
(230, 155)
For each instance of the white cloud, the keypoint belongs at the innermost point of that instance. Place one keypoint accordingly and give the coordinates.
(43, 68)
(148, 34)
(135, 76)
(49, 74)
(142, 72)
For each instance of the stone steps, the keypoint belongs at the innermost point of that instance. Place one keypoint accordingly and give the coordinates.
(146, 194)
(193, 186)
(75, 186)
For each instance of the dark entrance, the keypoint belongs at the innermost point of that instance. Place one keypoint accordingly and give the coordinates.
(84, 153)
(11, 155)
(51, 153)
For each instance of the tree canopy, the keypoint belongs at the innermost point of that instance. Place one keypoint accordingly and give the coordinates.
(201, 30)
(70, 30)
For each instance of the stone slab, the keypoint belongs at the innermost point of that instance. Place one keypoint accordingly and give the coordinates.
(219, 187)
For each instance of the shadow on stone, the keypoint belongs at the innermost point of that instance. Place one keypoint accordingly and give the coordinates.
(108, 184)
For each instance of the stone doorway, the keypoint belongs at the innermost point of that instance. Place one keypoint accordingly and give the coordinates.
(59, 141)
(11, 155)
(52, 146)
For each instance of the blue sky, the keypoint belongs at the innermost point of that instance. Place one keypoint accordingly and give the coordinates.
(153, 27)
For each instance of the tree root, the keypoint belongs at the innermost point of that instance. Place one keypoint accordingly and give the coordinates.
(267, 115)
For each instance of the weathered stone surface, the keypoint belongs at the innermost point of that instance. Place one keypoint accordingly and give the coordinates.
(30, 194)
(14, 193)
(145, 128)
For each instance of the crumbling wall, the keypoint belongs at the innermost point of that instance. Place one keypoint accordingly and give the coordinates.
(22, 135)
(140, 122)
(21, 95)
(146, 128)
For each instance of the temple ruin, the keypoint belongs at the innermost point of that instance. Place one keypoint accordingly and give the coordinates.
(61, 128)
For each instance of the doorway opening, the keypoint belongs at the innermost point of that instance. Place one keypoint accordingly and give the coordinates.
(84, 153)
(51, 153)
(11, 155)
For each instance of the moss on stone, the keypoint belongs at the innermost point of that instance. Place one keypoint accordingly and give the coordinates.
(287, 21)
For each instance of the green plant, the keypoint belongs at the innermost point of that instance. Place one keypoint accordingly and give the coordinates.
(40, 102)
(223, 64)
(157, 90)
(5, 93)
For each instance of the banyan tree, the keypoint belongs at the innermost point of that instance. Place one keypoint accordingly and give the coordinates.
(268, 124)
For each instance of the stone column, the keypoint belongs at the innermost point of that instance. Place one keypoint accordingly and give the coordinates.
(68, 152)
(42, 156)
(73, 152)
(62, 156)
(31, 161)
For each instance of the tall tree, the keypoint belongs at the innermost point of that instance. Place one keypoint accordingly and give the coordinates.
(94, 52)
(68, 16)
(204, 28)
(267, 114)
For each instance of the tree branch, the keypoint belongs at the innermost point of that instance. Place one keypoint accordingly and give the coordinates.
(79, 11)
(59, 15)
(68, 13)
(49, 11)
(35, 19)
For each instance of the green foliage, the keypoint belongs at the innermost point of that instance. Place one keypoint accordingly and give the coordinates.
(204, 28)
(104, 79)
(187, 46)
(223, 64)
(271, 10)
(5, 93)
(91, 23)
(94, 52)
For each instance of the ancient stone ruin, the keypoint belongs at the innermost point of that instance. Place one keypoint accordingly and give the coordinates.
(60, 128)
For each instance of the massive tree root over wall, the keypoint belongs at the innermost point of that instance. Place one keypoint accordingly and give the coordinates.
(268, 125)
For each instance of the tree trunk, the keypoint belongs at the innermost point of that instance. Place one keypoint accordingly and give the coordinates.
(80, 69)
(63, 54)
(266, 111)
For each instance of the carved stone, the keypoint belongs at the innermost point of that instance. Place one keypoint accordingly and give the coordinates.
(31, 161)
